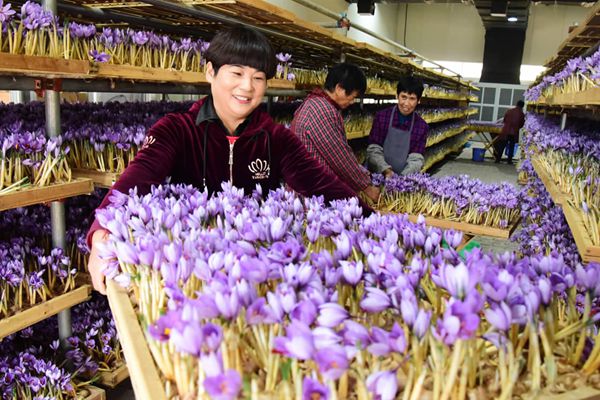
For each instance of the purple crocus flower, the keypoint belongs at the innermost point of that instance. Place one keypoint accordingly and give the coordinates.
(421, 325)
(352, 271)
(331, 315)
(332, 362)
(305, 311)
(499, 315)
(188, 338)
(383, 385)
(223, 386)
(375, 300)
(312, 389)
(298, 342)
(97, 56)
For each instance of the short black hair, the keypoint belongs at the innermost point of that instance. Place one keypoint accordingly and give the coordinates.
(410, 85)
(520, 104)
(241, 45)
(348, 76)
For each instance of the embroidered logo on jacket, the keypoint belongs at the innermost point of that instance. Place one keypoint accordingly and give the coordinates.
(260, 169)
(148, 140)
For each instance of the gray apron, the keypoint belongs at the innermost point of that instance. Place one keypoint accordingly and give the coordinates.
(397, 144)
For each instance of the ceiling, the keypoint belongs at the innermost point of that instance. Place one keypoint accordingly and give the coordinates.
(514, 8)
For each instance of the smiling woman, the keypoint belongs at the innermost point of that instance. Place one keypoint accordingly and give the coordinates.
(223, 138)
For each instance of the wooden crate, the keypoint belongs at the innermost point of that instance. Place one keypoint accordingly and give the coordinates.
(30, 316)
(37, 195)
(581, 393)
(100, 178)
(587, 250)
(112, 378)
(48, 67)
(557, 196)
(94, 393)
(470, 229)
(142, 370)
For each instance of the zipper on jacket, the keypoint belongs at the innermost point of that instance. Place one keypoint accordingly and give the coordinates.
(231, 144)
(232, 140)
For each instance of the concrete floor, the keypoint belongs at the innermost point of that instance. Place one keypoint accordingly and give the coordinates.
(487, 171)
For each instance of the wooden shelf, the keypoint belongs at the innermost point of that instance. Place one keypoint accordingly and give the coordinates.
(439, 118)
(111, 379)
(39, 312)
(581, 393)
(20, 65)
(286, 31)
(92, 393)
(441, 155)
(442, 137)
(556, 194)
(469, 228)
(485, 128)
(142, 369)
(579, 41)
(587, 250)
(357, 134)
(99, 178)
(37, 195)
(584, 98)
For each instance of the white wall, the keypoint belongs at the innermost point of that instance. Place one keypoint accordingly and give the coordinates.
(452, 32)
(547, 28)
(384, 22)
(448, 32)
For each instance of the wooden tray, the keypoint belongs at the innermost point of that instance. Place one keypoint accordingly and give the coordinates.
(587, 250)
(112, 378)
(142, 370)
(30, 316)
(557, 196)
(95, 393)
(37, 195)
(582, 393)
(471, 229)
(100, 178)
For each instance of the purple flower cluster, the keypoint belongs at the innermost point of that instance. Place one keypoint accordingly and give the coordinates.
(314, 283)
(29, 274)
(439, 132)
(94, 347)
(115, 130)
(588, 68)
(543, 225)
(38, 32)
(459, 198)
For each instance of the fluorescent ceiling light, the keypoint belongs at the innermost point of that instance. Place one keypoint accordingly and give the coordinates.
(512, 19)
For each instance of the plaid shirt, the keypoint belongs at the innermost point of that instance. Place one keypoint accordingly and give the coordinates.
(319, 125)
(418, 137)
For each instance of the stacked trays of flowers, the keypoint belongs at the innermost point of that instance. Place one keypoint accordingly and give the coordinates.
(33, 31)
(439, 151)
(579, 74)
(103, 137)
(544, 228)
(452, 198)
(291, 298)
(572, 159)
(33, 365)
(28, 157)
(444, 130)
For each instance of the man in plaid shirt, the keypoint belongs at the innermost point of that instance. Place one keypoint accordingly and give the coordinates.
(319, 124)
(399, 135)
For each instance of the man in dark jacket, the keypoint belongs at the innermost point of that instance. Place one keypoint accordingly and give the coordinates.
(224, 137)
(514, 119)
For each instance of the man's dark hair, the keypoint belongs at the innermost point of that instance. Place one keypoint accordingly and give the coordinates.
(348, 76)
(520, 104)
(410, 85)
(241, 45)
